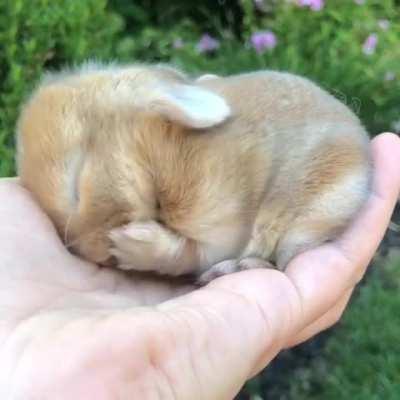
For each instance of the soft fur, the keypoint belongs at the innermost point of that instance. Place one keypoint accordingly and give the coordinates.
(177, 175)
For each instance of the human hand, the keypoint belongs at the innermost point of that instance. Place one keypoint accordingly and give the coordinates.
(70, 330)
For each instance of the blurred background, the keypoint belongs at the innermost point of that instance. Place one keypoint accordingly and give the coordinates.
(350, 47)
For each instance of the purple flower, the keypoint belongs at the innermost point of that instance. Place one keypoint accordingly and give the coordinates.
(384, 24)
(359, 2)
(390, 76)
(177, 43)
(263, 40)
(370, 44)
(315, 5)
(207, 44)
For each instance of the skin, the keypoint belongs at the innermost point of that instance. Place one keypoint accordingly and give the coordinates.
(69, 329)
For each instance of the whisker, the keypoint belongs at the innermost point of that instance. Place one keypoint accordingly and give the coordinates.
(67, 226)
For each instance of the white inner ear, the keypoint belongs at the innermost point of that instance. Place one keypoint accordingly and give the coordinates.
(206, 77)
(192, 106)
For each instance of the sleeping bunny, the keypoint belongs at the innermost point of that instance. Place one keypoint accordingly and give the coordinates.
(143, 167)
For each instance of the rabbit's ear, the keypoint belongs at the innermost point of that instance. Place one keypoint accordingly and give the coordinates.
(190, 106)
(187, 104)
(206, 77)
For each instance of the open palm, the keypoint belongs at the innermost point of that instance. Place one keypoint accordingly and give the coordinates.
(71, 330)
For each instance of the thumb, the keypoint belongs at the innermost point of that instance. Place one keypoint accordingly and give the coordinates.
(235, 325)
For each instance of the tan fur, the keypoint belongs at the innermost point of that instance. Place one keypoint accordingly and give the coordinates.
(122, 171)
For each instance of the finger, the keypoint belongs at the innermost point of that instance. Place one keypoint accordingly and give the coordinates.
(361, 240)
(326, 321)
(245, 318)
(344, 261)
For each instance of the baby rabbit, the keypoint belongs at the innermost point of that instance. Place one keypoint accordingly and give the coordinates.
(143, 165)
